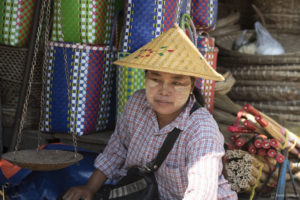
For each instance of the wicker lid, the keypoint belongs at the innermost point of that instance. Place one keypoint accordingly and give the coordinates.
(171, 52)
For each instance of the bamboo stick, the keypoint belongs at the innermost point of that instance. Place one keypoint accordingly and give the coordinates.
(276, 126)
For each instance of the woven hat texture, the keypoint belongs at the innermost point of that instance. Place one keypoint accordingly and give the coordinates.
(171, 52)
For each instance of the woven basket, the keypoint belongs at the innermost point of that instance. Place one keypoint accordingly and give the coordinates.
(267, 83)
(270, 107)
(12, 63)
(241, 67)
(32, 117)
(278, 6)
(264, 93)
(272, 103)
(289, 41)
(264, 75)
(279, 14)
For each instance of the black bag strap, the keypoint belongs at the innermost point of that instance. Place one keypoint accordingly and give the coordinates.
(168, 144)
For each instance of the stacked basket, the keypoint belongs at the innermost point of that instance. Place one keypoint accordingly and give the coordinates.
(16, 21)
(279, 14)
(269, 83)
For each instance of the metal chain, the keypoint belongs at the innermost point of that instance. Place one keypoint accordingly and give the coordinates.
(46, 44)
(69, 84)
(36, 48)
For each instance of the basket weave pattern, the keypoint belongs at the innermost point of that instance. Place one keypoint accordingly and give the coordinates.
(12, 62)
(265, 78)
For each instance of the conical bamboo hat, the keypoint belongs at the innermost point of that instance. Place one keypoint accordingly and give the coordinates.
(171, 52)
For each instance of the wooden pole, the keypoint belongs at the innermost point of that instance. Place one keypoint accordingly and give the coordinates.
(26, 73)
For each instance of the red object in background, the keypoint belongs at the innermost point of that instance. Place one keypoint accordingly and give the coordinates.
(240, 142)
(272, 153)
(266, 144)
(258, 143)
(280, 158)
(252, 149)
(274, 143)
(8, 169)
(262, 152)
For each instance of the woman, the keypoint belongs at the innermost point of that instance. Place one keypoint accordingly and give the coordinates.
(193, 168)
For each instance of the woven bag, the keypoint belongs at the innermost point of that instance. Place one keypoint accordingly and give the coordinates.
(204, 14)
(91, 98)
(129, 80)
(146, 19)
(207, 87)
(206, 46)
(84, 21)
(16, 18)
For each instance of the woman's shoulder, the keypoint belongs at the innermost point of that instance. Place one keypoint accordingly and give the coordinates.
(202, 125)
(136, 101)
(138, 96)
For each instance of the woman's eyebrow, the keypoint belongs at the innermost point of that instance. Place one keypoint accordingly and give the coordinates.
(175, 77)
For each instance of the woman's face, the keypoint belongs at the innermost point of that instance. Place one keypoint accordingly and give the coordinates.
(167, 93)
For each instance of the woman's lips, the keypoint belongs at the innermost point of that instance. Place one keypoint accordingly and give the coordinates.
(162, 102)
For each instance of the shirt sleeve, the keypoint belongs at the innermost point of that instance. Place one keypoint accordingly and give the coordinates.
(115, 152)
(203, 167)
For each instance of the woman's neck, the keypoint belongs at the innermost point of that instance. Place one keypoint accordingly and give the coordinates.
(165, 119)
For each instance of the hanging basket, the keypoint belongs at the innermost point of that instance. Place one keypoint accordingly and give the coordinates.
(289, 41)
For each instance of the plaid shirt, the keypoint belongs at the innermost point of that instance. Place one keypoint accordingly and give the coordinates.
(192, 169)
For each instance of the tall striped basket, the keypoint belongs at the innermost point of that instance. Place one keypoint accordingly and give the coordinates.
(145, 20)
(83, 21)
(89, 107)
(129, 80)
(204, 14)
(16, 18)
(206, 46)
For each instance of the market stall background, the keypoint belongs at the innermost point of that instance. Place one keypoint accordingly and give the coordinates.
(83, 94)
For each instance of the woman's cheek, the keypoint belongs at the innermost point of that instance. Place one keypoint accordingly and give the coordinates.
(182, 94)
(151, 84)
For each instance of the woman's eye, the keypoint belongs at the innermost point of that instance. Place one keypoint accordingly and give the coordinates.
(154, 79)
(177, 83)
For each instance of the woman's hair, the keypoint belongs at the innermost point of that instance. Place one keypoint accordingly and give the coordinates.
(198, 95)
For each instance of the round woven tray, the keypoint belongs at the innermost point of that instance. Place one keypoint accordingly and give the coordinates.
(42, 160)
(241, 67)
(267, 83)
(289, 41)
(264, 93)
(263, 75)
